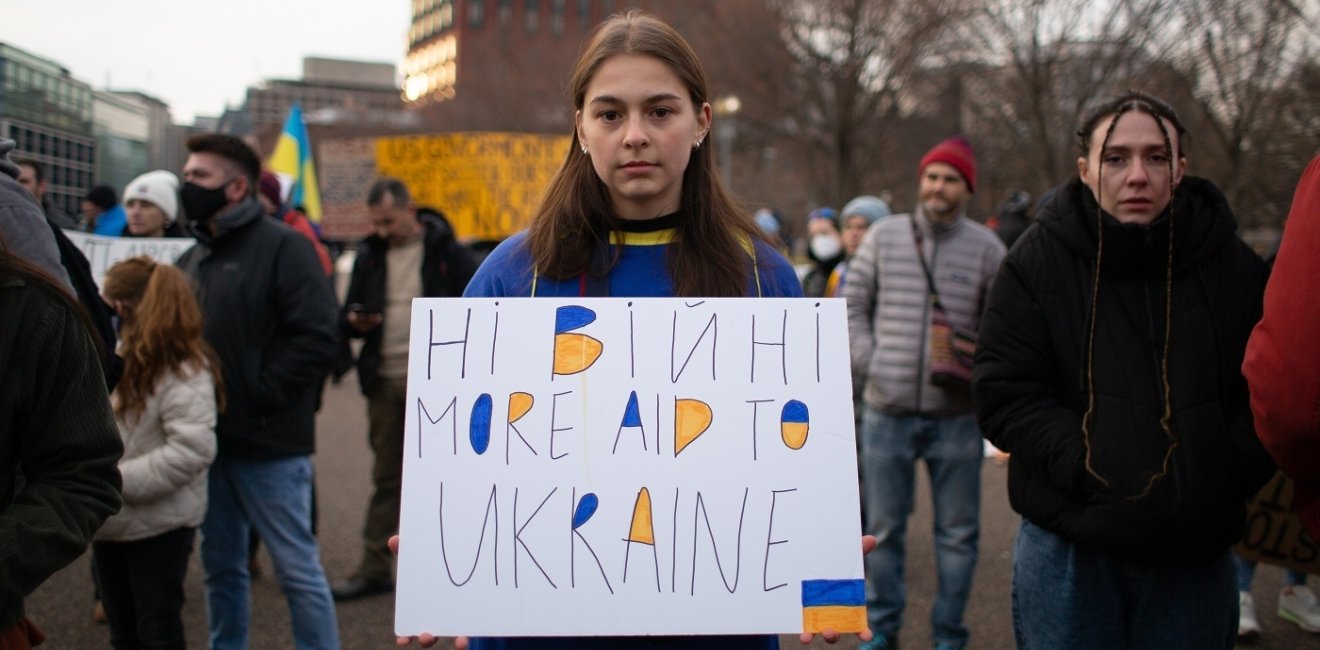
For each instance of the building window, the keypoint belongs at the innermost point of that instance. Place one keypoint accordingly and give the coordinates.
(506, 11)
(584, 14)
(532, 14)
(557, 11)
(476, 12)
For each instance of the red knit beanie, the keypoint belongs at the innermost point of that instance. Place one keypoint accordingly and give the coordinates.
(955, 152)
(270, 187)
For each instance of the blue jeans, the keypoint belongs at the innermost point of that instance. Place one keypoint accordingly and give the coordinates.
(275, 497)
(1065, 596)
(1246, 571)
(952, 448)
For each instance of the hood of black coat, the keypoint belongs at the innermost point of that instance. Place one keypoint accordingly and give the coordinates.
(1199, 218)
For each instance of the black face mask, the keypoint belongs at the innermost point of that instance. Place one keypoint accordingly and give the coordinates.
(199, 203)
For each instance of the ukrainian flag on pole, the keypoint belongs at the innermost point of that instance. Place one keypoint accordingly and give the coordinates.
(292, 161)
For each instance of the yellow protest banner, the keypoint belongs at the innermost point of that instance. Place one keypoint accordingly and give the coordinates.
(488, 184)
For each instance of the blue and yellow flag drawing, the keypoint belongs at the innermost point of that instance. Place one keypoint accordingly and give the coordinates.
(292, 160)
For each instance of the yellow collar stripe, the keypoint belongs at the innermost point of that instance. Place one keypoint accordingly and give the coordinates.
(655, 238)
(660, 238)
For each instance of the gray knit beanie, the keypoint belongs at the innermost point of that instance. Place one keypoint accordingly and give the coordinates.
(867, 206)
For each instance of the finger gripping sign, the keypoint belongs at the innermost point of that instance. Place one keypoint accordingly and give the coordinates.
(614, 466)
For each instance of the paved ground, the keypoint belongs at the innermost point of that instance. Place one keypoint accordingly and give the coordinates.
(63, 606)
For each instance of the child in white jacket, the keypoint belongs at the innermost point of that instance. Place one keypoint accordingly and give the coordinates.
(165, 406)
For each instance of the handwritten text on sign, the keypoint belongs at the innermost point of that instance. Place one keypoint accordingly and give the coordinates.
(347, 170)
(629, 466)
(102, 252)
(488, 184)
(1274, 534)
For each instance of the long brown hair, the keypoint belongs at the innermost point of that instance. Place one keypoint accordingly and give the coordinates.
(163, 332)
(575, 217)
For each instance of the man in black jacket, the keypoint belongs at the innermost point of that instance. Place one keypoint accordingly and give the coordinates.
(32, 176)
(270, 316)
(410, 254)
(1108, 365)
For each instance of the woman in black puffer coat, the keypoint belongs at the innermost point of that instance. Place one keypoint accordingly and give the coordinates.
(1109, 367)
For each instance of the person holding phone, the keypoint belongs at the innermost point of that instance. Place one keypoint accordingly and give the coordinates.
(411, 253)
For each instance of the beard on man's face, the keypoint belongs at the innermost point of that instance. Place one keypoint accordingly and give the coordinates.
(938, 207)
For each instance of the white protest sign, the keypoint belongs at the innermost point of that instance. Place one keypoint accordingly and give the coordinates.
(102, 252)
(614, 466)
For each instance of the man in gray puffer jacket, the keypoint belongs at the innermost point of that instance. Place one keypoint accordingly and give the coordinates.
(905, 266)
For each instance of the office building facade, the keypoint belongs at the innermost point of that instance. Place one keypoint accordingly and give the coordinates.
(48, 113)
(122, 129)
(335, 90)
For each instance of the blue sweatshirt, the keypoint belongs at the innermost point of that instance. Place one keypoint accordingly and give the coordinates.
(641, 272)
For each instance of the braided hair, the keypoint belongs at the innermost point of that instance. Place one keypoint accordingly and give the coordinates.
(1131, 101)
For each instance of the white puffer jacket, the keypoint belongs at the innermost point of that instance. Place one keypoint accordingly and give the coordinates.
(168, 448)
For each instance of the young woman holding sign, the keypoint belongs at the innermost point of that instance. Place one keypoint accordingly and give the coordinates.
(636, 210)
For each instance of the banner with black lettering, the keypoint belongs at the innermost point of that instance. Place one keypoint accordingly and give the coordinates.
(102, 252)
(1274, 534)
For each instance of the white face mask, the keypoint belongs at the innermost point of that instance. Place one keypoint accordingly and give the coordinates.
(825, 247)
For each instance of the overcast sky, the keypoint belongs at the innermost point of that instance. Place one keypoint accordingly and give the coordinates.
(200, 56)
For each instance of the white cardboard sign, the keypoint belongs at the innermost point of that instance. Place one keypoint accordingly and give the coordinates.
(618, 466)
(102, 252)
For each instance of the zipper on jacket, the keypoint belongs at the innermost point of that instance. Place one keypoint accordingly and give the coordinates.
(925, 324)
(1156, 347)
(1151, 329)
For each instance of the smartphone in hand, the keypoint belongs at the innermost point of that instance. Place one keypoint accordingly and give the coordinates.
(362, 319)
